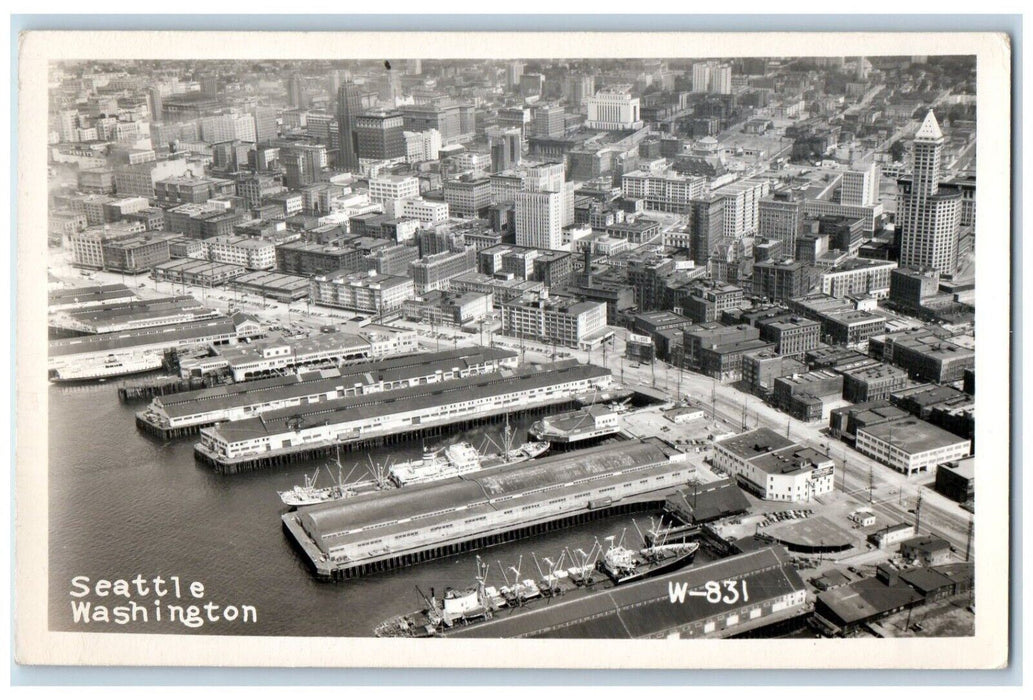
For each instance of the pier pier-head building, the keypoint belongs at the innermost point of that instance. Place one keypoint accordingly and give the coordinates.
(394, 413)
(380, 531)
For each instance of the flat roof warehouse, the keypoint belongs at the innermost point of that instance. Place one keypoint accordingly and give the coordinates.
(400, 401)
(365, 375)
(350, 522)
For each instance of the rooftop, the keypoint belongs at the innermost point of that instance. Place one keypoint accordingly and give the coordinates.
(875, 371)
(146, 336)
(912, 435)
(402, 400)
(930, 129)
(790, 460)
(755, 442)
(344, 522)
(866, 599)
(644, 609)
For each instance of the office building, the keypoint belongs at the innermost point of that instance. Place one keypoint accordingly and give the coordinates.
(421, 145)
(380, 136)
(780, 218)
(365, 292)
(779, 281)
(613, 109)
(910, 445)
(349, 105)
(569, 324)
(741, 206)
(775, 468)
(468, 197)
(666, 192)
(927, 217)
(539, 219)
(385, 188)
(706, 227)
(548, 121)
(860, 187)
(302, 164)
(228, 127)
(505, 146)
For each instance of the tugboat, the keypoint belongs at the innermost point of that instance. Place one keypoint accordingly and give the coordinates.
(624, 565)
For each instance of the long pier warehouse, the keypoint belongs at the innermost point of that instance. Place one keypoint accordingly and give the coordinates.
(384, 530)
(185, 413)
(280, 436)
(767, 590)
(92, 348)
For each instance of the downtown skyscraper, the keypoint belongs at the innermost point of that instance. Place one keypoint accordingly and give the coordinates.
(349, 106)
(928, 214)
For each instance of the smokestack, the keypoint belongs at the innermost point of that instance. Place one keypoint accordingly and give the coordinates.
(588, 264)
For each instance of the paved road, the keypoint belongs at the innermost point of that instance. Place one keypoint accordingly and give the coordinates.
(894, 493)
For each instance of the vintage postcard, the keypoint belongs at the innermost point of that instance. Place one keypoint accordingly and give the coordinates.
(447, 350)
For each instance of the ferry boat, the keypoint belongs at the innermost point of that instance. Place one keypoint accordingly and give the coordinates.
(112, 366)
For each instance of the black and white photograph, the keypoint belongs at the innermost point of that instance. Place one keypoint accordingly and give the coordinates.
(432, 350)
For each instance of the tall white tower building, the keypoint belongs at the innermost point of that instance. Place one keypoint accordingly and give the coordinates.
(928, 216)
(539, 218)
(860, 187)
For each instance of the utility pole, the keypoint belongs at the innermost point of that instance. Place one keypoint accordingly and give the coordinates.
(968, 539)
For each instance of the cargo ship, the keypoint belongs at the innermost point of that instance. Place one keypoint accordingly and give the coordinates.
(624, 565)
(454, 460)
(481, 602)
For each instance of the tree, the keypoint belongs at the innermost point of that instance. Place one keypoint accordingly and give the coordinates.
(897, 151)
